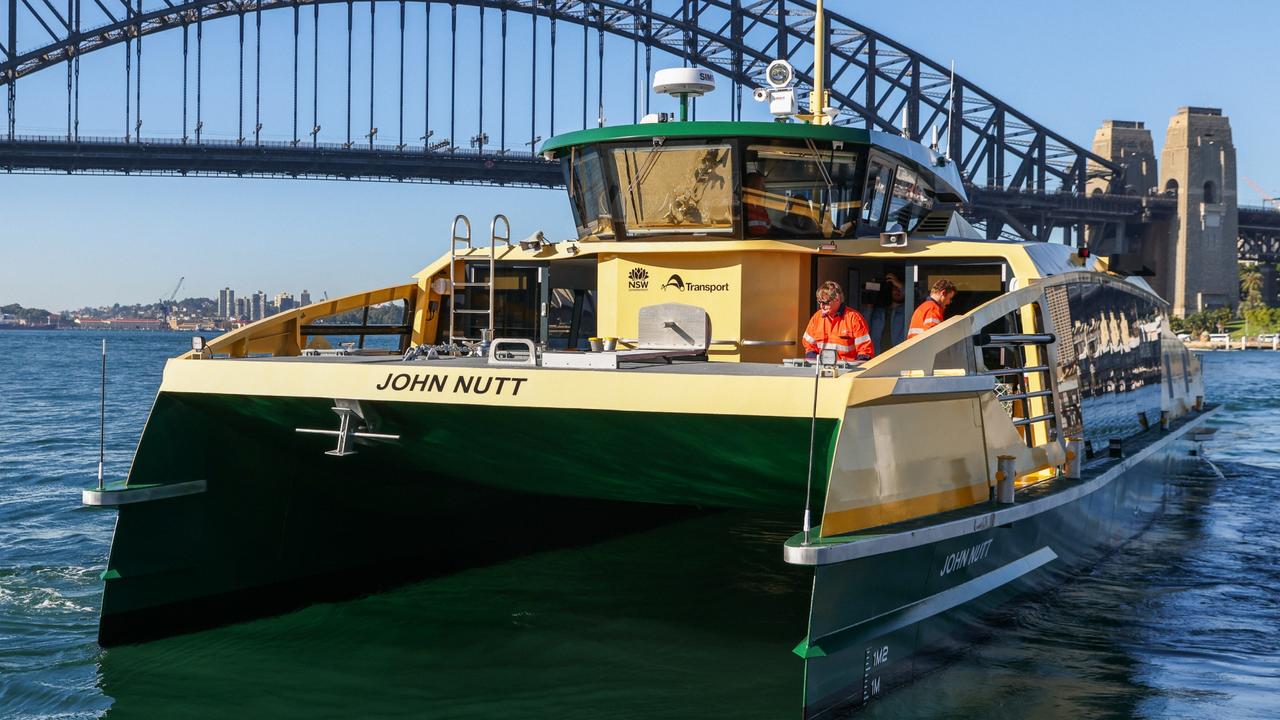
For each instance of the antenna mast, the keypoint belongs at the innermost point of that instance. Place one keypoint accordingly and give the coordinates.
(818, 101)
(951, 108)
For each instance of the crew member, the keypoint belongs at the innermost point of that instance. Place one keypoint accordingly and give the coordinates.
(930, 312)
(837, 326)
(753, 201)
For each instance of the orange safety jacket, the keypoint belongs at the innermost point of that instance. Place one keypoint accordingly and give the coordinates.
(925, 318)
(757, 220)
(847, 333)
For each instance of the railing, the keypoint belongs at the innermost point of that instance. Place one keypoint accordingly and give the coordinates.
(275, 145)
(1028, 418)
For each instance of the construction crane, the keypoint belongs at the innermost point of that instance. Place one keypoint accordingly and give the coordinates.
(165, 303)
(1268, 200)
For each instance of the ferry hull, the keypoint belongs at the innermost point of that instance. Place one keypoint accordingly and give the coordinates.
(878, 621)
(281, 523)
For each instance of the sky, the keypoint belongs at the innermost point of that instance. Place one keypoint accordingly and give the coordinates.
(72, 241)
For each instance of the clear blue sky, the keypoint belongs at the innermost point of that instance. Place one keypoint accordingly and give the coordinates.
(71, 241)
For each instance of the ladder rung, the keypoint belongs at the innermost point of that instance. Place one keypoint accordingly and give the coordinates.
(471, 284)
(463, 311)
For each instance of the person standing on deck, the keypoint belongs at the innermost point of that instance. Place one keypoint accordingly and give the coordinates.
(753, 201)
(930, 312)
(838, 327)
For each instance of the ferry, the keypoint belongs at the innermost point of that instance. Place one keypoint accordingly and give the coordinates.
(656, 358)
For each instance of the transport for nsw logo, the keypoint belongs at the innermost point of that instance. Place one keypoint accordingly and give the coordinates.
(638, 279)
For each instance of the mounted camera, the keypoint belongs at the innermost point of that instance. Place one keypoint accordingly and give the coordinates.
(780, 95)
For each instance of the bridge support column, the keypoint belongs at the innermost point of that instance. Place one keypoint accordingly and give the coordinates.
(1128, 144)
(1198, 165)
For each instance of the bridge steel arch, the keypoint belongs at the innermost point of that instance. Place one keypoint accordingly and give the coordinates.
(1017, 167)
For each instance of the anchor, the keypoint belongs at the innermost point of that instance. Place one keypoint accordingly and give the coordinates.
(347, 431)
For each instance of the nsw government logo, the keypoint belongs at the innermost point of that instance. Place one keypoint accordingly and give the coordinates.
(638, 279)
(677, 283)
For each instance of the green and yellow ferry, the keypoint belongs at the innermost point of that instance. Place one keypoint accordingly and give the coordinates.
(655, 359)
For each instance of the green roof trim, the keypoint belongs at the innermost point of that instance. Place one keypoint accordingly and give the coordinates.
(707, 129)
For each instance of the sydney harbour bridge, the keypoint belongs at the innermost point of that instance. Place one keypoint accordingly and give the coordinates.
(464, 91)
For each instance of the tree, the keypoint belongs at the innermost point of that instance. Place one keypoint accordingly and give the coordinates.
(1251, 288)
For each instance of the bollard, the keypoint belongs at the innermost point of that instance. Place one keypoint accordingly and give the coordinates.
(1115, 448)
(1004, 480)
(1075, 457)
(1199, 403)
(1142, 420)
(1164, 420)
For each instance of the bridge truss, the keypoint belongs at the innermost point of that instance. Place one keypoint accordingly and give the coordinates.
(557, 65)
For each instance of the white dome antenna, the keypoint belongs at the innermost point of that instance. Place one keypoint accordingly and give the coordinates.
(684, 83)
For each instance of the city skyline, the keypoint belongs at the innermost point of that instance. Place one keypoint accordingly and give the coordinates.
(128, 236)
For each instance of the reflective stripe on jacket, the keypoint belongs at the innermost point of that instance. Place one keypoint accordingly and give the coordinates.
(925, 318)
(846, 333)
(757, 220)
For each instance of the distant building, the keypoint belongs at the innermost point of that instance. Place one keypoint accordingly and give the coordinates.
(284, 301)
(226, 303)
(259, 309)
(242, 308)
(304, 299)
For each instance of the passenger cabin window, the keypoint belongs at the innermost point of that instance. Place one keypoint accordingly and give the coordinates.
(876, 193)
(588, 193)
(666, 189)
(912, 200)
(800, 191)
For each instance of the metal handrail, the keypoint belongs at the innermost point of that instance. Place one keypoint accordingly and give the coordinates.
(494, 237)
(1012, 339)
(1017, 371)
(1039, 418)
(455, 238)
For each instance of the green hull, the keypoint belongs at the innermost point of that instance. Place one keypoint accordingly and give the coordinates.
(282, 523)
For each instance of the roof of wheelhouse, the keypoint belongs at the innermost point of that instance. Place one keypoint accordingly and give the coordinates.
(924, 159)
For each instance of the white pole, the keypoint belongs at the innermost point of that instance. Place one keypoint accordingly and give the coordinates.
(951, 108)
(102, 417)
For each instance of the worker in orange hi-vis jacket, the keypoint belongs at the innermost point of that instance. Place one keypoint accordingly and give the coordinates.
(753, 201)
(837, 327)
(930, 312)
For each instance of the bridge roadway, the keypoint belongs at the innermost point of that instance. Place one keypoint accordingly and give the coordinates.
(1029, 214)
(1259, 237)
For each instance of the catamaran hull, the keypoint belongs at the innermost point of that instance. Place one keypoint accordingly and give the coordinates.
(880, 620)
(277, 522)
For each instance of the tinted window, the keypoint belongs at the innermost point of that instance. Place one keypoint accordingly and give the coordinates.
(675, 188)
(588, 192)
(877, 191)
(912, 200)
(805, 191)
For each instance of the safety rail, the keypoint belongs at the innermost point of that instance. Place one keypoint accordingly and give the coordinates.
(463, 241)
(1027, 418)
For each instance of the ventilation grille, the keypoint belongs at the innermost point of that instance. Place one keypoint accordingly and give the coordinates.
(934, 224)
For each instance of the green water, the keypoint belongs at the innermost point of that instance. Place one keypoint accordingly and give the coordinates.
(679, 621)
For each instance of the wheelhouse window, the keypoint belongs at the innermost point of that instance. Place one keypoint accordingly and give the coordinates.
(876, 193)
(911, 202)
(588, 185)
(672, 189)
(800, 191)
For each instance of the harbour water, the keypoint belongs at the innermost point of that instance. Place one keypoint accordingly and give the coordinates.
(693, 617)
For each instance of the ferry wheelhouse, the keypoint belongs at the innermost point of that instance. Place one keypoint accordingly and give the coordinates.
(656, 358)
